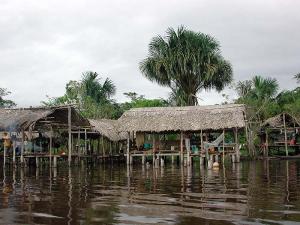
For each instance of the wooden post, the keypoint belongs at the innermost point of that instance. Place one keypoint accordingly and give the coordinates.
(247, 137)
(14, 152)
(78, 144)
(153, 149)
(181, 147)
(70, 136)
(285, 136)
(237, 147)
(267, 143)
(128, 149)
(110, 149)
(223, 146)
(102, 141)
(85, 142)
(50, 148)
(4, 156)
(22, 148)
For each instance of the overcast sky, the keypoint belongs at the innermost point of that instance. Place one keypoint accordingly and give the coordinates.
(46, 43)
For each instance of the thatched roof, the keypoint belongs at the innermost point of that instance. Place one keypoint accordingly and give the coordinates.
(108, 128)
(277, 121)
(190, 118)
(38, 118)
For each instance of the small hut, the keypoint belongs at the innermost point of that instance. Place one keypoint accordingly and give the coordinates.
(24, 124)
(280, 132)
(108, 140)
(185, 122)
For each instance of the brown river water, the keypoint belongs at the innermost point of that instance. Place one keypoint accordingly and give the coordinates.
(261, 192)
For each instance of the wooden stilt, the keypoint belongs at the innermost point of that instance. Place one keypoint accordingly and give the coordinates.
(22, 148)
(78, 144)
(285, 136)
(237, 145)
(50, 147)
(70, 136)
(267, 143)
(14, 153)
(128, 149)
(153, 149)
(223, 146)
(85, 142)
(4, 155)
(181, 148)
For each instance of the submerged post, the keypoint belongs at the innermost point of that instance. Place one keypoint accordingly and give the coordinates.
(285, 136)
(70, 136)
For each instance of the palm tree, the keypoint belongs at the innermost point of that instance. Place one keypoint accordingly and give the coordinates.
(243, 88)
(187, 62)
(264, 88)
(92, 88)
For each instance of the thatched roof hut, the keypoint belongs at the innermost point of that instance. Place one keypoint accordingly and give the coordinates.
(278, 121)
(190, 118)
(38, 118)
(108, 129)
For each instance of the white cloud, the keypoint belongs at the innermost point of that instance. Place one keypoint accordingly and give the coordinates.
(44, 44)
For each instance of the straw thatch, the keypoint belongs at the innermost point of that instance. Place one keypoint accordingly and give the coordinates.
(39, 118)
(108, 128)
(277, 121)
(190, 118)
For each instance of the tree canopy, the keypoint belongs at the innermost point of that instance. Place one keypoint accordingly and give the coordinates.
(5, 103)
(187, 62)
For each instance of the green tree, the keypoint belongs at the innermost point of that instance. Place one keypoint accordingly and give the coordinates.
(93, 98)
(259, 95)
(5, 103)
(187, 62)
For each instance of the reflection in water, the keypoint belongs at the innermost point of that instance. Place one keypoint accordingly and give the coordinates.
(260, 192)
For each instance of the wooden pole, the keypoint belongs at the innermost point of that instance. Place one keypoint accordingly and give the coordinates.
(22, 148)
(85, 141)
(4, 156)
(153, 149)
(223, 146)
(267, 143)
(237, 147)
(181, 147)
(247, 137)
(14, 152)
(285, 136)
(102, 141)
(70, 136)
(128, 149)
(78, 144)
(50, 147)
